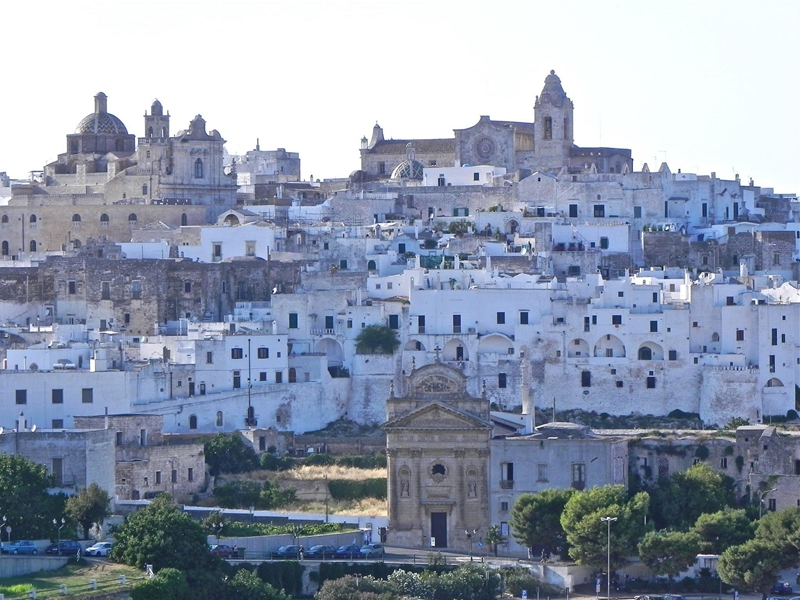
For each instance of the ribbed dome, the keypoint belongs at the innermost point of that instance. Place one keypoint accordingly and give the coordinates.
(101, 123)
(408, 169)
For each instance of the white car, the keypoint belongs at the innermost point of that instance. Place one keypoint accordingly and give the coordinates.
(99, 549)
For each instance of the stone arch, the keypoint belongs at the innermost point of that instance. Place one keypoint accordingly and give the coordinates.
(231, 220)
(511, 226)
(332, 349)
(774, 382)
(414, 346)
(455, 349)
(577, 347)
(715, 337)
(650, 351)
(495, 343)
(609, 346)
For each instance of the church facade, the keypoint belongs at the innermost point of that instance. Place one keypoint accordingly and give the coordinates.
(545, 145)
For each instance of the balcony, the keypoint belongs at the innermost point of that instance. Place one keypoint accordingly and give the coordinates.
(506, 484)
(324, 331)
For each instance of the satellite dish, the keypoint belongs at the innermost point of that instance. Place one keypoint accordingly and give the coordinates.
(33, 428)
(2, 429)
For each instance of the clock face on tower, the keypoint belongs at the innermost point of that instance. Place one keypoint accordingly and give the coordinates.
(485, 148)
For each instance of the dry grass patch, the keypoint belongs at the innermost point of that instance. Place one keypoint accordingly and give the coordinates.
(312, 473)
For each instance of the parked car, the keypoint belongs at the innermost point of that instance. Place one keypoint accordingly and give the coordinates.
(222, 550)
(348, 551)
(68, 547)
(782, 589)
(372, 551)
(98, 549)
(20, 547)
(283, 552)
(320, 552)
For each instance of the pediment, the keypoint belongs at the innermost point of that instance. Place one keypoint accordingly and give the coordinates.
(437, 416)
(435, 380)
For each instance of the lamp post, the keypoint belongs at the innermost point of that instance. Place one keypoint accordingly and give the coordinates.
(218, 529)
(325, 476)
(55, 522)
(608, 521)
(470, 535)
(761, 500)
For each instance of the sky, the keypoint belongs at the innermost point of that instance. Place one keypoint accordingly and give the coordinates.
(706, 85)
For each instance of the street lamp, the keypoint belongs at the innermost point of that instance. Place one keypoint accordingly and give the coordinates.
(55, 522)
(218, 529)
(325, 476)
(608, 520)
(470, 535)
(761, 500)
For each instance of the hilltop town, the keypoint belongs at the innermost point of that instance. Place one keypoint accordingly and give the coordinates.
(505, 310)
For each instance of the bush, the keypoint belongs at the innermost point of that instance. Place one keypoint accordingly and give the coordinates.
(322, 460)
(368, 461)
(285, 574)
(229, 454)
(270, 462)
(244, 494)
(347, 489)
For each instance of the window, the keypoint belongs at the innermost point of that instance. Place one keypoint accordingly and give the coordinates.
(87, 395)
(504, 506)
(394, 321)
(523, 317)
(421, 324)
(776, 259)
(343, 264)
(541, 472)
(578, 476)
(292, 375)
(219, 418)
(278, 376)
(237, 353)
(774, 337)
(22, 396)
(198, 169)
(673, 355)
(723, 463)
(740, 335)
(249, 248)
(292, 320)
(71, 287)
(32, 246)
(653, 326)
(127, 318)
(476, 176)
(637, 212)
(263, 352)
(548, 128)
(651, 383)
(573, 211)
(382, 168)
(604, 243)
(190, 474)
(76, 220)
(620, 383)
(620, 294)
(586, 379)
(57, 466)
(616, 319)
(237, 380)
(501, 380)
(456, 323)
(58, 423)
(771, 363)
(5, 248)
(104, 220)
(599, 210)
(136, 289)
(209, 358)
(105, 290)
(158, 477)
(57, 396)
(174, 476)
(507, 476)
(501, 318)
(349, 323)
(187, 287)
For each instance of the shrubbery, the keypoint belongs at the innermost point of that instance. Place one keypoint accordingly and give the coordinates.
(348, 489)
(246, 493)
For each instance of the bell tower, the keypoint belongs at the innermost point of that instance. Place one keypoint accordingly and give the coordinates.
(553, 125)
(156, 124)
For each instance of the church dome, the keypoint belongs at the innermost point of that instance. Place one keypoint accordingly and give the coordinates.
(408, 169)
(552, 91)
(101, 121)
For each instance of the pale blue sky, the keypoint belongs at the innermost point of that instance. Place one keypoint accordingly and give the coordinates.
(710, 85)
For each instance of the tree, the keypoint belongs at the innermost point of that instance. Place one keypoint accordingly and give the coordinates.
(681, 499)
(228, 453)
(376, 339)
(88, 507)
(24, 500)
(168, 584)
(781, 529)
(536, 519)
(722, 529)
(753, 565)
(587, 535)
(163, 536)
(494, 537)
(669, 552)
(357, 588)
(246, 585)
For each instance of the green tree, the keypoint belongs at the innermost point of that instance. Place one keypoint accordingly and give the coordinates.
(352, 587)
(228, 453)
(684, 496)
(24, 499)
(669, 552)
(88, 507)
(163, 536)
(587, 535)
(536, 519)
(781, 529)
(494, 537)
(723, 529)
(753, 565)
(467, 582)
(246, 585)
(168, 584)
(376, 339)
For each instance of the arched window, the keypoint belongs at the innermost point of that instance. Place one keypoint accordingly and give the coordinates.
(76, 218)
(548, 128)
(104, 221)
(132, 218)
(149, 134)
(76, 243)
(184, 220)
(33, 219)
(645, 353)
(5, 248)
(715, 337)
(198, 169)
(5, 219)
(371, 265)
(292, 375)
(193, 422)
(219, 418)
(33, 245)
(147, 154)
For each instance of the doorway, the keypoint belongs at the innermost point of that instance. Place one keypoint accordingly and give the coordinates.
(439, 529)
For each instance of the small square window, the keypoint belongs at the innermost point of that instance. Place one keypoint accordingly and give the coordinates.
(620, 384)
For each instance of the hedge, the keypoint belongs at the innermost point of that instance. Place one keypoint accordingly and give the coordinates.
(348, 489)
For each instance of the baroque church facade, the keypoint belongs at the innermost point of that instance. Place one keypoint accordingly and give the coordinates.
(108, 184)
(545, 145)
